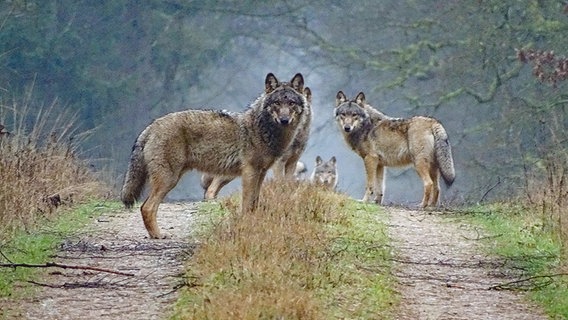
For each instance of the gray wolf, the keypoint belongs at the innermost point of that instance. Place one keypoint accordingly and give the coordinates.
(286, 165)
(300, 171)
(4, 131)
(382, 141)
(215, 142)
(325, 172)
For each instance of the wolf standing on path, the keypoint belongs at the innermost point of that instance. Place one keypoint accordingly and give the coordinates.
(382, 141)
(285, 166)
(216, 142)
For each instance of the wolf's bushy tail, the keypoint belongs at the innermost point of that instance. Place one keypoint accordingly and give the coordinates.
(443, 153)
(136, 175)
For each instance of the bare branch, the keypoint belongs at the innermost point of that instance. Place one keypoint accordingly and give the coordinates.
(63, 266)
(515, 285)
(489, 190)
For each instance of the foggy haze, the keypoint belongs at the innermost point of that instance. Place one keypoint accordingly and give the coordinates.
(119, 65)
(403, 186)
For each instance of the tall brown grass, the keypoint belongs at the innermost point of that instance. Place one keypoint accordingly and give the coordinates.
(547, 181)
(269, 264)
(40, 169)
(548, 195)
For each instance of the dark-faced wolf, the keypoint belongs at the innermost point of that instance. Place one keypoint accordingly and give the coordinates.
(216, 142)
(286, 165)
(382, 141)
(325, 173)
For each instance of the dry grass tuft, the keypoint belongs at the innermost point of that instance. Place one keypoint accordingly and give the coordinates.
(39, 170)
(268, 264)
(548, 195)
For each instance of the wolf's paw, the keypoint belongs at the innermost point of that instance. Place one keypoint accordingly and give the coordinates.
(370, 200)
(164, 235)
(159, 236)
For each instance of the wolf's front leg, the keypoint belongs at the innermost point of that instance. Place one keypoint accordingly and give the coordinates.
(252, 179)
(371, 162)
(379, 184)
(279, 168)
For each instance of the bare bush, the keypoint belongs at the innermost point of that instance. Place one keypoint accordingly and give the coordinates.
(547, 180)
(39, 167)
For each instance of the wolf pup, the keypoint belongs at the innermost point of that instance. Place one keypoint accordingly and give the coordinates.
(215, 142)
(325, 173)
(382, 141)
(285, 166)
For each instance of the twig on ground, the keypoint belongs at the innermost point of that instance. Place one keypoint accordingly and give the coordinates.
(4, 256)
(174, 289)
(63, 266)
(515, 285)
(76, 285)
(480, 237)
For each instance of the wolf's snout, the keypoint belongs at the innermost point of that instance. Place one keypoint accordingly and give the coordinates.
(347, 128)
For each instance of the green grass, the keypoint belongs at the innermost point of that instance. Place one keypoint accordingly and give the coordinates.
(364, 287)
(522, 240)
(39, 245)
(307, 253)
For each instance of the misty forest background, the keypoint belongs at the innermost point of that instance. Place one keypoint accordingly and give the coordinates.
(114, 66)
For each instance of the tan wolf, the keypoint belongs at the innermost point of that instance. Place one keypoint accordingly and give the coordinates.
(382, 141)
(325, 172)
(216, 142)
(285, 166)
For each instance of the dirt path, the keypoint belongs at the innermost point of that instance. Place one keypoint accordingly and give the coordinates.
(443, 275)
(441, 272)
(117, 242)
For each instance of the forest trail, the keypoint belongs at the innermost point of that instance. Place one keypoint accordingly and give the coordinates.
(117, 242)
(441, 272)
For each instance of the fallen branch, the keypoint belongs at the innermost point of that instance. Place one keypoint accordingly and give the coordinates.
(480, 237)
(4, 256)
(174, 289)
(511, 284)
(63, 266)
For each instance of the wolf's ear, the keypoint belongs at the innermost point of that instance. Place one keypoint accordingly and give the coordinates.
(308, 94)
(360, 99)
(333, 160)
(270, 83)
(340, 98)
(298, 82)
(318, 160)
